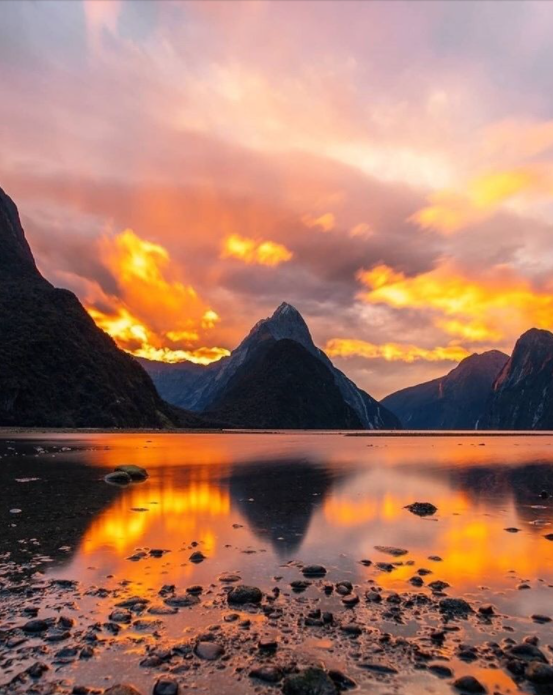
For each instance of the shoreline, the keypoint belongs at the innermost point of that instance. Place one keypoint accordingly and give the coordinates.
(10, 431)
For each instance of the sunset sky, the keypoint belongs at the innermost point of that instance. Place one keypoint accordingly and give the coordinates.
(386, 167)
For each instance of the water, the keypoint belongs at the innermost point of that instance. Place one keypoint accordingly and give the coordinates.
(260, 504)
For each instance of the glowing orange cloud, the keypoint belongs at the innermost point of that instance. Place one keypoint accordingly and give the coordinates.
(449, 211)
(326, 222)
(393, 352)
(254, 251)
(491, 307)
(151, 316)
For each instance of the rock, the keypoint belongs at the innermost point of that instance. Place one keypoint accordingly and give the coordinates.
(122, 689)
(344, 588)
(350, 601)
(416, 580)
(314, 571)
(438, 585)
(300, 584)
(166, 686)
(549, 537)
(390, 550)
(120, 615)
(158, 552)
(544, 494)
(342, 681)
(373, 596)
(268, 644)
(385, 566)
(195, 590)
(210, 651)
(422, 508)
(37, 669)
(542, 619)
(487, 610)
(455, 606)
(162, 610)
(440, 670)
(182, 601)
(541, 674)
(197, 557)
(245, 594)
(512, 529)
(118, 478)
(379, 668)
(34, 626)
(268, 674)
(134, 472)
(312, 681)
(134, 602)
(469, 684)
(229, 578)
(527, 652)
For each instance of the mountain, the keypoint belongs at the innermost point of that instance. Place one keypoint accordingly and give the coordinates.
(57, 368)
(455, 401)
(522, 395)
(206, 389)
(284, 387)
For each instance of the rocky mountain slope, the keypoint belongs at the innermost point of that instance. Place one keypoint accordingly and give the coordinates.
(57, 368)
(522, 395)
(455, 401)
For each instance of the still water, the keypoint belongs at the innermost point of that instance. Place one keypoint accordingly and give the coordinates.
(258, 504)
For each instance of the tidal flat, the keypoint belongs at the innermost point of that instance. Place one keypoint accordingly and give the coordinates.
(261, 563)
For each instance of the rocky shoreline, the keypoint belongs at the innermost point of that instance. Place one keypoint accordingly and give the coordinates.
(251, 640)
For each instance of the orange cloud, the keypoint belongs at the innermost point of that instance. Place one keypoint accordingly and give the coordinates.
(326, 222)
(254, 251)
(152, 315)
(492, 307)
(450, 211)
(393, 352)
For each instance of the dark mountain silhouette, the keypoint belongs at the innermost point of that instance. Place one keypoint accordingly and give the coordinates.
(455, 401)
(204, 389)
(522, 395)
(285, 387)
(57, 368)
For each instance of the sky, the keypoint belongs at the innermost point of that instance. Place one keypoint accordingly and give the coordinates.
(385, 167)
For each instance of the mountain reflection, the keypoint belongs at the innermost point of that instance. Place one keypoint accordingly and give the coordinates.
(278, 499)
(253, 502)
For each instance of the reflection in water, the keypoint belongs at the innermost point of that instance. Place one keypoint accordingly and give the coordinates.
(257, 501)
(279, 498)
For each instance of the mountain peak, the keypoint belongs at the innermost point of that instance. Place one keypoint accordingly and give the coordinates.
(285, 308)
(16, 257)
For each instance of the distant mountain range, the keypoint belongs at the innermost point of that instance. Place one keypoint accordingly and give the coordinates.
(276, 377)
(57, 368)
(455, 401)
(486, 392)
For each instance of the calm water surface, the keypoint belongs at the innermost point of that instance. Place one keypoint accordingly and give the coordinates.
(255, 503)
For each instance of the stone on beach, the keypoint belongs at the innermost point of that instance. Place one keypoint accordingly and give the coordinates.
(134, 472)
(422, 508)
(242, 594)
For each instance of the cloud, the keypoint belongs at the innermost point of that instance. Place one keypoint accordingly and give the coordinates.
(450, 211)
(151, 314)
(325, 222)
(255, 251)
(493, 306)
(393, 352)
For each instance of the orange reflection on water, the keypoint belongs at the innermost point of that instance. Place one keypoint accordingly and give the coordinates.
(342, 511)
(175, 510)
